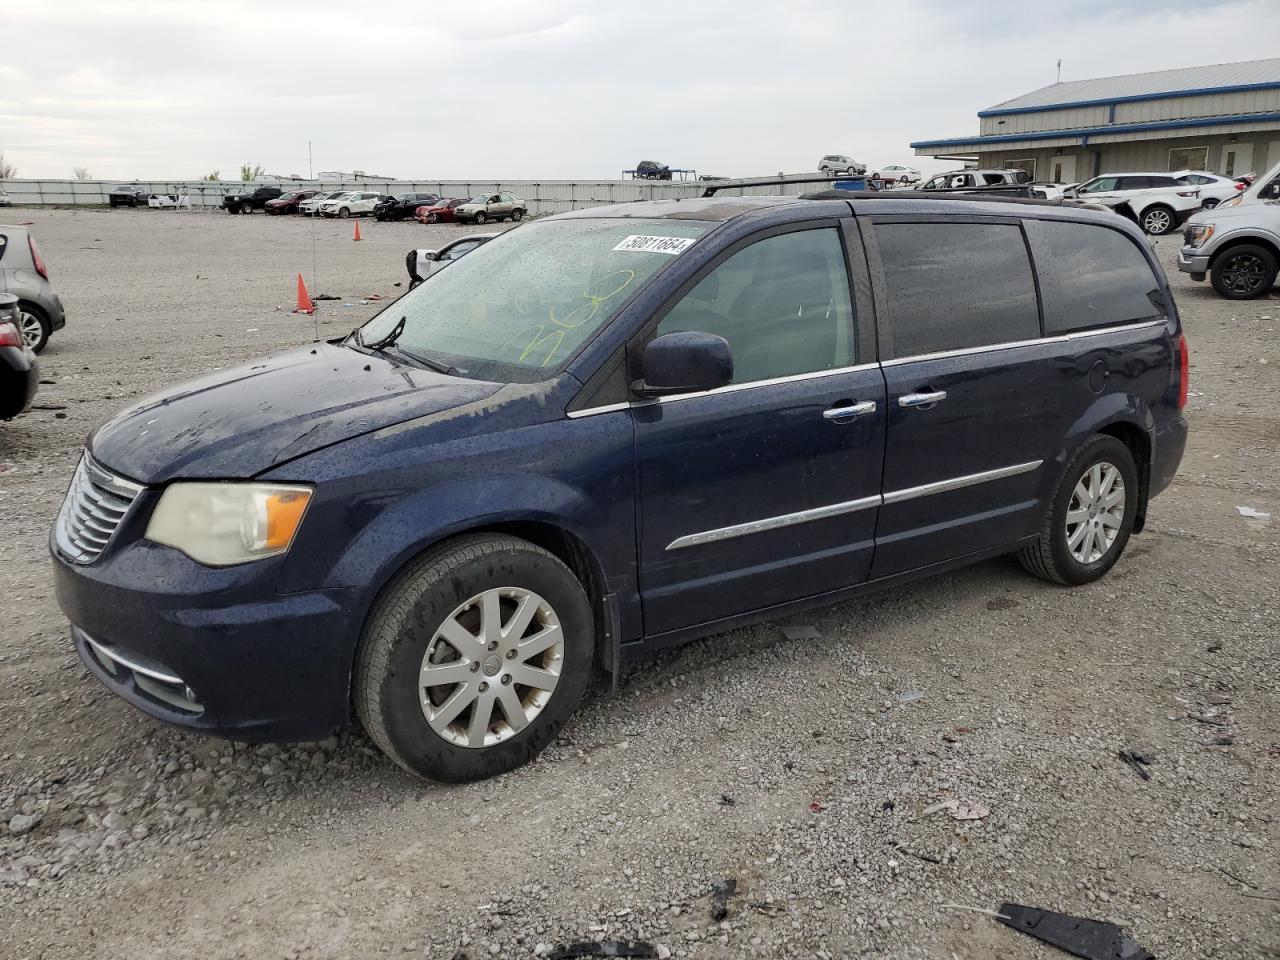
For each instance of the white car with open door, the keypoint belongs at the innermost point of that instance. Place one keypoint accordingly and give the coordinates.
(422, 263)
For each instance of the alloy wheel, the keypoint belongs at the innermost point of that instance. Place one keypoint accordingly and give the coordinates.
(491, 667)
(1096, 512)
(1244, 273)
(1157, 222)
(32, 329)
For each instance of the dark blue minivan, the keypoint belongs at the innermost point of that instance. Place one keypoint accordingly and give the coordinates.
(611, 431)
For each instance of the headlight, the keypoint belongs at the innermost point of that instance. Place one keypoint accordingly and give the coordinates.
(221, 524)
(1198, 233)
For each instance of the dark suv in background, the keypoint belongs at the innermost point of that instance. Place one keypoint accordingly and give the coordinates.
(613, 431)
(128, 196)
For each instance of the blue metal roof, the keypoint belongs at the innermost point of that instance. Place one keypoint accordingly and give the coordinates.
(1085, 132)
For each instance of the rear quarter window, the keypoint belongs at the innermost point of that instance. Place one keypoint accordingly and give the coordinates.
(1092, 276)
(951, 286)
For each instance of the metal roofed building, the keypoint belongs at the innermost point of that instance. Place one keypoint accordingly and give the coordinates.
(1223, 118)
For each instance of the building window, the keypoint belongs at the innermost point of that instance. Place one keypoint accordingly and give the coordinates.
(1028, 165)
(1189, 158)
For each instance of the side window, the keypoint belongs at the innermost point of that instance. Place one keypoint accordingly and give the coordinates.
(950, 286)
(1094, 277)
(1102, 185)
(782, 303)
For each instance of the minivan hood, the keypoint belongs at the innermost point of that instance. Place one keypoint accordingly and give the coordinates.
(238, 422)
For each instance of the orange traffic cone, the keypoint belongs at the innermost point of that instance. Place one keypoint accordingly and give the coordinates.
(304, 301)
(357, 236)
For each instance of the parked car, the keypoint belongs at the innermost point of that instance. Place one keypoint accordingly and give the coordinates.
(1213, 188)
(1237, 248)
(23, 273)
(289, 202)
(169, 201)
(404, 206)
(897, 173)
(423, 263)
(491, 206)
(610, 432)
(19, 371)
(652, 170)
(128, 196)
(249, 202)
(959, 179)
(311, 206)
(837, 164)
(356, 203)
(1158, 201)
(5, 199)
(1265, 187)
(441, 211)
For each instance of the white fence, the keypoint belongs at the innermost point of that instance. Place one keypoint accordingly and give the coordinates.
(542, 196)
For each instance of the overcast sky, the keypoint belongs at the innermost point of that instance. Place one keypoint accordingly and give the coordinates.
(518, 89)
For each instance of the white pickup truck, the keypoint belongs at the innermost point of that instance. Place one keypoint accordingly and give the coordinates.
(1236, 246)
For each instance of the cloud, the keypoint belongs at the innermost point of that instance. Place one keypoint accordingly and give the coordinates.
(553, 89)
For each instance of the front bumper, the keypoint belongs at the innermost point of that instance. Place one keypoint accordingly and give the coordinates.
(1191, 260)
(216, 650)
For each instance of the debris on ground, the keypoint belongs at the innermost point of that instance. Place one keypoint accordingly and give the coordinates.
(326, 296)
(1139, 760)
(604, 948)
(801, 632)
(726, 800)
(721, 891)
(960, 809)
(1252, 514)
(1088, 939)
(910, 696)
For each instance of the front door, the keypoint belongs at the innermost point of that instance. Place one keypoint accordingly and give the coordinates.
(766, 490)
(971, 389)
(1064, 169)
(1237, 159)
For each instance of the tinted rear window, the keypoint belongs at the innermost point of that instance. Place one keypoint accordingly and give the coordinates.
(955, 285)
(1094, 277)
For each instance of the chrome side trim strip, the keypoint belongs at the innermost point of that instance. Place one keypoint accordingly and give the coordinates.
(124, 661)
(731, 388)
(1015, 344)
(957, 483)
(592, 411)
(773, 523)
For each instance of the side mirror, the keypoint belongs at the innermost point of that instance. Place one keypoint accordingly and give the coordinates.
(685, 362)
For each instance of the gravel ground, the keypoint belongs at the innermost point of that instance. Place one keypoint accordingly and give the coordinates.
(806, 770)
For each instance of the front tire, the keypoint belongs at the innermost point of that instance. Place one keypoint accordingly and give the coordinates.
(344, 213)
(1244, 272)
(481, 217)
(1159, 220)
(1090, 517)
(433, 218)
(474, 658)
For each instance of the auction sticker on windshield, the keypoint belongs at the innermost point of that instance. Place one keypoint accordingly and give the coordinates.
(671, 245)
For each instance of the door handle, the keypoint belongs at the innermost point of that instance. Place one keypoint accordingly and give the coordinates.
(851, 412)
(921, 399)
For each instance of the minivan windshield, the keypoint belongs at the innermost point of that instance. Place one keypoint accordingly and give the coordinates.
(518, 307)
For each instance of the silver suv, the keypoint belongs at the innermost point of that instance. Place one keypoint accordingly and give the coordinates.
(23, 274)
(836, 164)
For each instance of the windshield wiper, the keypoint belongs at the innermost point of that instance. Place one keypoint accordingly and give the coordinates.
(439, 366)
(389, 340)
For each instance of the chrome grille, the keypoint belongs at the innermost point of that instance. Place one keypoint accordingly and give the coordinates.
(97, 501)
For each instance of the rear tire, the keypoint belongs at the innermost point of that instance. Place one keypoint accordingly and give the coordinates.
(436, 616)
(34, 327)
(1209, 204)
(1244, 272)
(517, 215)
(1073, 548)
(1159, 220)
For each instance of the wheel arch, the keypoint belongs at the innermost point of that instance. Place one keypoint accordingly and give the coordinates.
(567, 546)
(1138, 440)
(1254, 241)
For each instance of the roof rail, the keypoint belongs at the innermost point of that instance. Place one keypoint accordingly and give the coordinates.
(711, 190)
